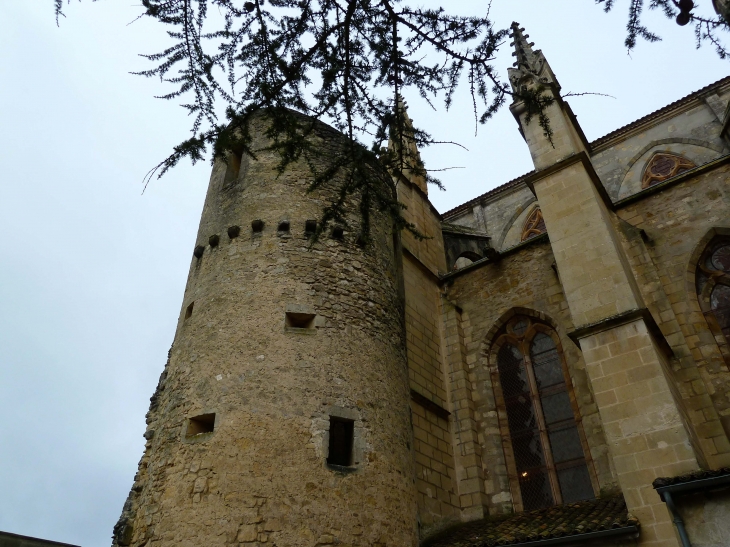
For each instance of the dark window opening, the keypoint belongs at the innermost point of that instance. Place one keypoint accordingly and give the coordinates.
(189, 310)
(713, 286)
(214, 240)
(234, 231)
(338, 232)
(310, 227)
(233, 168)
(257, 226)
(205, 423)
(341, 437)
(283, 227)
(550, 463)
(300, 320)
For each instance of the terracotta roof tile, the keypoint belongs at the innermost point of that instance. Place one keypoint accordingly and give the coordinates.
(663, 110)
(493, 191)
(555, 522)
(690, 477)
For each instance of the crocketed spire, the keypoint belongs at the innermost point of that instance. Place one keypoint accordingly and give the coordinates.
(413, 166)
(529, 65)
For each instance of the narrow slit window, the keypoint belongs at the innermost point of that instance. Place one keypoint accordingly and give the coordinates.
(341, 437)
(189, 310)
(233, 168)
(310, 227)
(205, 423)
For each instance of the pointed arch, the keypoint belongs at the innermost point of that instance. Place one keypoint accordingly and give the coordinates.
(546, 451)
(712, 285)
(511, 231)
(627, 180)
(534, 225)
(465, 259)
(663, 166)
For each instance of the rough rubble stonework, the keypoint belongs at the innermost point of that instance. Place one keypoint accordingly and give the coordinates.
(260, 477)
(404, 342)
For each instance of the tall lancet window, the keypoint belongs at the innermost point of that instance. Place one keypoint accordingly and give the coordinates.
(547, 456)
(713, 286)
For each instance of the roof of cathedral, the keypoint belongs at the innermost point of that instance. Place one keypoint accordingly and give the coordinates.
(604, 515)
(601, 140)
(664, 110)
(701, 474)
(501, 188)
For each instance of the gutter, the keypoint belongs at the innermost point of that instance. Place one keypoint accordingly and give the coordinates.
(696, 485)
(633, 529)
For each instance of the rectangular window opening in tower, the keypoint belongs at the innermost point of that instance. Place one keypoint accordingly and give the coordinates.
(310, 227)
(296, 320)
(233, 168)
(205, 423)
(340, 445)
(189, 310)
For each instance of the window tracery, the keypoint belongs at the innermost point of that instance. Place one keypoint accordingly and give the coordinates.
(548, 462)
(663, 166)
(713, 285)
(534, 225)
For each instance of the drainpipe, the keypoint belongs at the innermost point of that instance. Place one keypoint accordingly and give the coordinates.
(677, 518)
(699, 481)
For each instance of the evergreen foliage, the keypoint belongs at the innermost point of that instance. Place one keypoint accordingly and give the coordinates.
(344, 62)
(706, 28)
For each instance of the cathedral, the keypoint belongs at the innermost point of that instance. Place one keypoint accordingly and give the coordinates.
(549, 366)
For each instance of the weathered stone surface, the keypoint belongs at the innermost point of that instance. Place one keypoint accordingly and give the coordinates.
(277, 336)
(261, 476)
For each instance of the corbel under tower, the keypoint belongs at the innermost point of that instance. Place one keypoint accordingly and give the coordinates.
(531, 72)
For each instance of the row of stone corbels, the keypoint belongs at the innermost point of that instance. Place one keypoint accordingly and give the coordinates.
(257, 227)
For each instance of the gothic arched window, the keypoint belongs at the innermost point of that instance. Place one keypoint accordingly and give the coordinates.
(549, 461)
(713, 285)
(534, 225)
(663, 166)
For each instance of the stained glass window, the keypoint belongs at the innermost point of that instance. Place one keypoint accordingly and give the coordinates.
(663, 166)
(550, 464)
(713, 285)
(534, 225)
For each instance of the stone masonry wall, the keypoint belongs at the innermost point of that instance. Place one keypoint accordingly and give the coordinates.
(420, 212)
(706, 517)
(437, 498)
(643, 426)
(676, 221)
(498, 216)
(438, 502)
(261, 477)
(523, 280)
(698, 126)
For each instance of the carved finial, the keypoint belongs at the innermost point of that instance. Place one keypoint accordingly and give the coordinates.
(528, 64)
(406, 146)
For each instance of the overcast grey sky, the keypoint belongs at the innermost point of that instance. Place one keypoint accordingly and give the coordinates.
(92, 272)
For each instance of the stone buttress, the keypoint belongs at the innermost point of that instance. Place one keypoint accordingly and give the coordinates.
(280, 345)
(627, 359)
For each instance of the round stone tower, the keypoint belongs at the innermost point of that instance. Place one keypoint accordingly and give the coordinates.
(282, 415)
